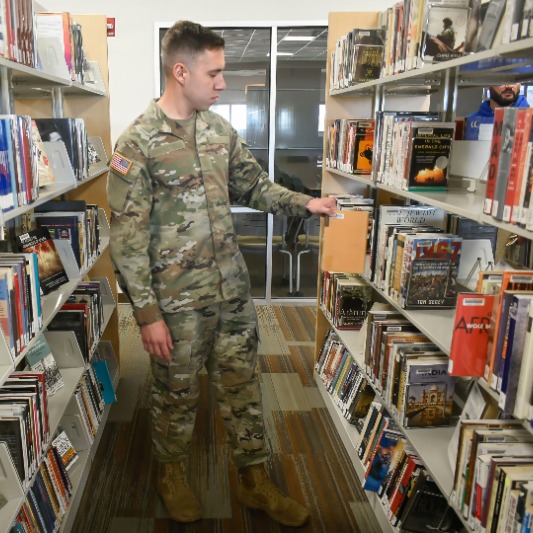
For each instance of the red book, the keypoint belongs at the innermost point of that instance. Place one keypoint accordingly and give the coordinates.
(470, 338)
(518, 159)
(23, 125)
(494, 158)
(40, 376)
(413, 463)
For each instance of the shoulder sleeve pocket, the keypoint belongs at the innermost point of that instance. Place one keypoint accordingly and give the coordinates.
(123, 172)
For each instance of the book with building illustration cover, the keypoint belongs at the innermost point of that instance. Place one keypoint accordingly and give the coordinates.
(428, 397)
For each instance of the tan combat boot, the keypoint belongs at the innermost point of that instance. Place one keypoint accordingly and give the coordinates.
(180, 501)
(256, 491)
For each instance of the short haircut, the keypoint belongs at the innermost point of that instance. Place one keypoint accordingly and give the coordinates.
(184, 41)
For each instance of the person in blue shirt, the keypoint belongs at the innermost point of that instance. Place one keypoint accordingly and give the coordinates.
(501, 96)
(478, 125)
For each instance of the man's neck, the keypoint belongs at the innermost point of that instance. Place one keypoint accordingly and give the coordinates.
(172, 108)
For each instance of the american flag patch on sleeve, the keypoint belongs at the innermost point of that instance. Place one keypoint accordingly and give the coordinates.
(120, 163)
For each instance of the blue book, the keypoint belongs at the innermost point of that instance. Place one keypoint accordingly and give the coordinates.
(102, 373)
(381, 461)
(510, 370)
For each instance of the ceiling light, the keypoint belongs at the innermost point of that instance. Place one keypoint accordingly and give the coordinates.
(285, 53)
(303, 38)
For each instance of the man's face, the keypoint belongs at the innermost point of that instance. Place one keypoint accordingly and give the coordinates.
(505, 95)
(205, 80)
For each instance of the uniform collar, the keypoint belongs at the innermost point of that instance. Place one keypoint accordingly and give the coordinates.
(163, 124)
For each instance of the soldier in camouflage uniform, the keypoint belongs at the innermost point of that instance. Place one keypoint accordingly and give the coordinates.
(175, 172)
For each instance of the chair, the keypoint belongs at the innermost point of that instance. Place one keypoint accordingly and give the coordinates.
(308, 241)
(251, 230)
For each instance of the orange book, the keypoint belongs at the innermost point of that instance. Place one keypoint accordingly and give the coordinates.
(364, 147)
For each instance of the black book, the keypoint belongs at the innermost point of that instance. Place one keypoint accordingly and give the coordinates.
(425, 508)
(12, 434)
(62, 129)
(75, 321)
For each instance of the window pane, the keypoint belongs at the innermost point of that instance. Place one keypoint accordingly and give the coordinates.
(222, 109)
(246, 98)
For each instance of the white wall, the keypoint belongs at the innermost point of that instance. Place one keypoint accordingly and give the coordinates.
(131, 53)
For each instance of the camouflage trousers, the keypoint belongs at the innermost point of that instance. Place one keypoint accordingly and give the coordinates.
(223, 339)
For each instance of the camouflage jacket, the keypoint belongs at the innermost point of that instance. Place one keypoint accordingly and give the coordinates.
(172, 236)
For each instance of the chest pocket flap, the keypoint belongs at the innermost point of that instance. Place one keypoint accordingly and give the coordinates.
(167, 148)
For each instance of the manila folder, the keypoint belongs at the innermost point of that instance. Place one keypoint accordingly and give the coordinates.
(345, 242)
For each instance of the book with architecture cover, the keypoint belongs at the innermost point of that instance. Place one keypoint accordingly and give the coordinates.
(428, 396)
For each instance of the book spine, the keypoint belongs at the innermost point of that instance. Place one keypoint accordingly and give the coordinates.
(494, 160)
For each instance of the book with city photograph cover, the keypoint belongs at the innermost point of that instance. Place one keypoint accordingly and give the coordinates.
(429, 390)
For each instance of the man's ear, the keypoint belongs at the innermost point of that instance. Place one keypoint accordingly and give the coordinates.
(179, 71)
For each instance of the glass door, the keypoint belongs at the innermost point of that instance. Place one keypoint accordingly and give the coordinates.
(300, 85)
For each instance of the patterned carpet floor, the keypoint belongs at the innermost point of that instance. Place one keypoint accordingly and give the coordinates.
(308, 459)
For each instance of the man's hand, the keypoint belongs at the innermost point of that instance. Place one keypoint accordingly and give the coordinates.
(322, 206)
(157, 340)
